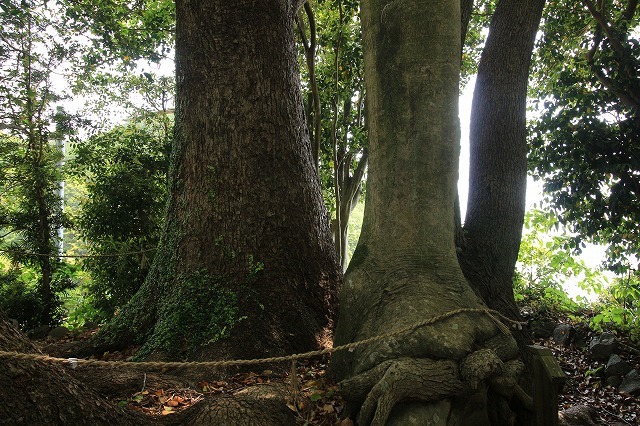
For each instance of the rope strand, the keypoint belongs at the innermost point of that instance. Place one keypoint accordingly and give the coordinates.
(492, 314)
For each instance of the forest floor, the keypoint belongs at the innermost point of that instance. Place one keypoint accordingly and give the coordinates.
(314, 398)
(586, 385)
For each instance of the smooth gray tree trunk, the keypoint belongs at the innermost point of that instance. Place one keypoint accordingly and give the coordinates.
(498, 155)
(405, 268)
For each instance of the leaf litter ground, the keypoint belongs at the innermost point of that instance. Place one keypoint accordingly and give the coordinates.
(586, 384)
(315, 399)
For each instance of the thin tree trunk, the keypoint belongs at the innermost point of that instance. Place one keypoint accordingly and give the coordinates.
(351, 189)
(315, 119)
(498, 145)
(466, 9)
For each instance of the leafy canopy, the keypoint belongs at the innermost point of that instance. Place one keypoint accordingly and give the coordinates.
(586, 143)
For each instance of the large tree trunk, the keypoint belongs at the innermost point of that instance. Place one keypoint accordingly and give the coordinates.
(246, 261)
(405, 267)
(498, 152)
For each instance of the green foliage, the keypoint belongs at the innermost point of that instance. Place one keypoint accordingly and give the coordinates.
(619, 307)
(199, 310)
(115, 93)
(122, 30)
(21, 295)
(585, 143)
(31, 51)
(340, 79)
(79, 309)
(475, 39)
(546, 263)
(126, 175)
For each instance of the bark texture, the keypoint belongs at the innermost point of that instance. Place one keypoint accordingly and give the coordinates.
(37, 393)
(256, 406)
(40, 393)
(498, 152)
(405, 267)
(246, 261)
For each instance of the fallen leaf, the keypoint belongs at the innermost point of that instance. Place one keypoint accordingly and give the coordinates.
(315, 397)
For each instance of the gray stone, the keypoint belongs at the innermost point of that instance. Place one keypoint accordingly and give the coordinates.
(614, 381)
(630, 383)
(542, 328)
(581, 337)
(603, 346)
(578, 415)
(58, 333)
(14, 323)
(563, 334)
(616, 366)
(90, 325)
(39, 332)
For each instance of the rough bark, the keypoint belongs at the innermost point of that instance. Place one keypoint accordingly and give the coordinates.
(257, 406)
(405, 267)
(498, 154)
(41, 393)
(37, 393)
(246, 260)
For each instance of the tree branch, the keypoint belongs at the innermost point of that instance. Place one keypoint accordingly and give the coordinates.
(602, 22)
(628, 99)
(597, 39)
(466, 8)
(310, 55)
(632, 5)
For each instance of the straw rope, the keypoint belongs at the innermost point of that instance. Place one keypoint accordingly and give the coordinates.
(492, 314)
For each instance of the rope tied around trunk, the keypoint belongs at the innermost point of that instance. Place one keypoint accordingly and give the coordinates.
(494, 315)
